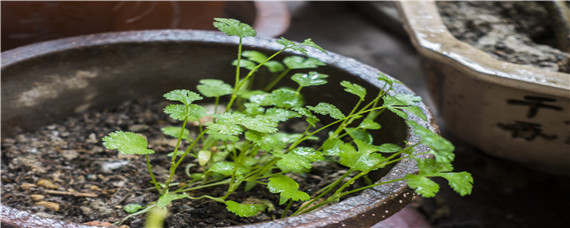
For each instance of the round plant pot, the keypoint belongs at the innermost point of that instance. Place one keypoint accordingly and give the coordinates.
(511, 111)
(45, 82)
(28, 22)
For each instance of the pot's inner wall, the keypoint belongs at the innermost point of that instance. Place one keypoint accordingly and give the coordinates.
(47, 88)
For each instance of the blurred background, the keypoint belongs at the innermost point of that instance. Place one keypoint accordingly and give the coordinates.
(506, 194)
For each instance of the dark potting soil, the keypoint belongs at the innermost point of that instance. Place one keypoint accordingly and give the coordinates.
(62, 171)
(516, 32)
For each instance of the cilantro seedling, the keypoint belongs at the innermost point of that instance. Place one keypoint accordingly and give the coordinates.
(243, 145)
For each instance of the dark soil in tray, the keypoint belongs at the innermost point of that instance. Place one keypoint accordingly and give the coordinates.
(62, 171)
(517, 32)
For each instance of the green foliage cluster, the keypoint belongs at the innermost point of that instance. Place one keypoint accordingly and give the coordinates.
(242, 147)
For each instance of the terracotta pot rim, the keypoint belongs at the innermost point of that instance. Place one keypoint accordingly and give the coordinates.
(370, 203)
(431, 37)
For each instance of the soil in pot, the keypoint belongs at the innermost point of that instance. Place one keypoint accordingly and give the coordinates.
(62, 171)
(516, 32)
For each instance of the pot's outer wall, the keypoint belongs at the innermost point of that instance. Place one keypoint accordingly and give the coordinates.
(45, 82)
(512, 111)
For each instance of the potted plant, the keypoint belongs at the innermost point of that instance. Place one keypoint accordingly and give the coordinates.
(238, 148)
(509, 110)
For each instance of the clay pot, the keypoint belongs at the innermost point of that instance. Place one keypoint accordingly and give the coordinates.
(511, 111)
(45, 82)
(28, 22)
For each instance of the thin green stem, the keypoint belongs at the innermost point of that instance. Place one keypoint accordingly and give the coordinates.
(284, 214)
(152, 174)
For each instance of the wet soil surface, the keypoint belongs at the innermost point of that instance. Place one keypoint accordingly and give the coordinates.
(62, 171)
(516, 32)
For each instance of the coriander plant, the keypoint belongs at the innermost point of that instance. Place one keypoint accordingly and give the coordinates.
(241, 147)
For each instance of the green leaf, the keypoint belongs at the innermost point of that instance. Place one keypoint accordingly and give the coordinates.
(310, 153)
(132, 208)
(204, 157)
(244, 210)
(311, 119)
(312, 78)
(389, 148)
(359, 160)
(224, 128)
(265, 142)
(227, 168)
(422, 185)
(287, 188)
(360, 134)
(244, 63)
(214, 88)
(385, 78)
(175, 132)
(290, 138)
(260, 124)
(233, 27)
(431, 167)
(369, 124)
(461, 182)
(167, 198)
(327, 109)
(299, 47)
(126, 143)
(286, 98)
(331, 147)
(440, 147)
(180, 112)
(354, 89)
(274, 66)
(279, 114)
(254, 56)
(293, 163)
(298, 62)
(222, 137)
(182, 95)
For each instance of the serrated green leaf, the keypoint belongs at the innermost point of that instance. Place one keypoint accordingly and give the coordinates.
(293, 163)
(298, 62)
(389, 148)
(286, 98)
(180, 112)
(182, 95)
(359, 160)
(265, 142)
(214, 88)
(260, 124)
(388, 80)
(311, 119)
(279, 114)
(226, 168)
(310, 43)
(175, 132)
(364, 147)
(461, 182)
(132, 208)
(287, 188)
(440, 147)
(360, 134)
(167, 198)
(222, 137)
(244, 210)
(299, 47)
(369, 124)
(327, 109)
(126, 143)
(290, 138)
(422, 185)
(310, 153)
(224, 128)
(233, 27)
(354, 89)
(253, 109)
(331, 146)
(431, 167)
(312, 78)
